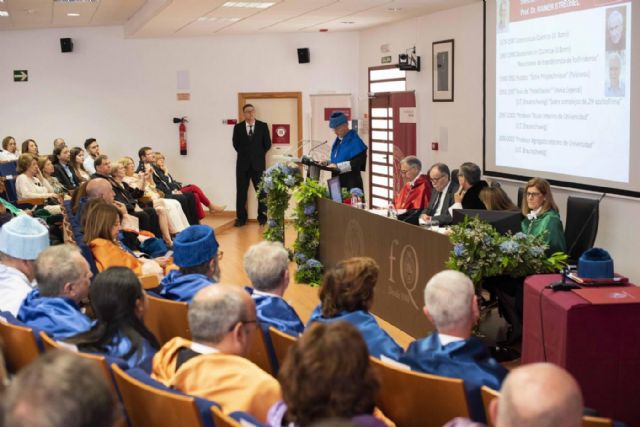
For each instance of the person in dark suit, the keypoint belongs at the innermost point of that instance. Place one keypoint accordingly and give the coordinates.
(442, 196)
(251, 140)
(468, 196)
(62, 169)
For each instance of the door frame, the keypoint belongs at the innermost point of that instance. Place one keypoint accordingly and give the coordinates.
(242, 100)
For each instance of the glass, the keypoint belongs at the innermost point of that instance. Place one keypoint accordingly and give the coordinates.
(532, 194)
(434, 180)
(386, 74)
(392, 86)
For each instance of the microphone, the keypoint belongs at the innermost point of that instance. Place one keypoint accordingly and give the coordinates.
(288, 155)
(586, 223)
(562, 285)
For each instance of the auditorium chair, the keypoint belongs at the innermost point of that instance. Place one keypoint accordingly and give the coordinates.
(19, 345)
(520, 196)
(416, 399)
(488, 395)
(581, 226)
(259, 353)
(281, 343)
(167, 319)
(150, 403)
(150, 281)
(234, 419)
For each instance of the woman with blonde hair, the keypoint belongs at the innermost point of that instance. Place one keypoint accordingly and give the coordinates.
(9, 149)
(144, 181)
(541, 215)
(346, 294)
(30, 184)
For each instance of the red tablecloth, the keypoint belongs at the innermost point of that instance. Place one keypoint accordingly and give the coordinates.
(599, 344)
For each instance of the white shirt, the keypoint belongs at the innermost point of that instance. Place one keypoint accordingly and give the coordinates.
(203, 349)
(14, 287)
(438, 210)
(6, 156)
(250, 126)
(88, 164)
(32, 187)
(264, 294)
(448, 339)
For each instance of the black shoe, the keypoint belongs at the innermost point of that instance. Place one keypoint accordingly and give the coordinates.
(262, 221)
(504, 354)
(240, 223)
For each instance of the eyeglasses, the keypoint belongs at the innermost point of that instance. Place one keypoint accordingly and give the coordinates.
(533, 194)
(243, 322)
(220, 255)
(434, 180)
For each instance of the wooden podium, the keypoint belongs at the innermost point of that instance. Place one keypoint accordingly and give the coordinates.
(408, 257)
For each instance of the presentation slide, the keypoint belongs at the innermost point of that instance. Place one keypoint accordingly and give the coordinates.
(560, 95)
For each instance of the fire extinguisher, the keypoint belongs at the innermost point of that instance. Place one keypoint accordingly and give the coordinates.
(183, 134)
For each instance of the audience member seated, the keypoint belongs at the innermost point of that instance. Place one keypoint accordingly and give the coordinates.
(190, 206)
(47, 170)
(195, 251)
(63, 170)
(76, 163)
(451, 305)
(9, 149)
(267, 265)
(144, 181)
(157, 220)
(119, 304)
(93, 151)
(101, 227)
(60, 389)
(442, 195)
(542, 215)
(63, 277)
(347, 294)
(468, 195)
(416, 191)
(31, 184)
(59, 142)
(212, 366)
(326, 374)
(29, 146)
(21, 241)
(494, 198)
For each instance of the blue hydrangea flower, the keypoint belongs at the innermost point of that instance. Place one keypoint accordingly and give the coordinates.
(536, 251)
(356, 192)
(509, 246)
(300, 257)
(290, 181)
(267, 183)
(313, 263)
(520, 236)
(486, 240)
(458, 249)
(309, 209)
(272, 223)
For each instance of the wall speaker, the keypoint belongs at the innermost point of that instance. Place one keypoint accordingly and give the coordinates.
(303, 55)
(66, 45)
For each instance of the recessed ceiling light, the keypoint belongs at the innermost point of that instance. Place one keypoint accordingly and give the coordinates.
(73, 14)
(4, 13)
(217, 19)
(394, 9)
(249, 4)
(348, 22)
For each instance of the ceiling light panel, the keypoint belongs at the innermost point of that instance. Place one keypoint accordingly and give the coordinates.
(249, 4)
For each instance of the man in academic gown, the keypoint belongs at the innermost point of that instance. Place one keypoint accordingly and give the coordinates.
(222, 319)
(195, 251)
(450, 304)
(416, 191)
(348, 153)
(63, 277)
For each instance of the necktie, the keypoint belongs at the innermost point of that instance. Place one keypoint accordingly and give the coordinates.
(435, 203)
(250, 130)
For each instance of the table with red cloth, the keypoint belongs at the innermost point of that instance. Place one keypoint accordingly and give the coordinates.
(599, 344)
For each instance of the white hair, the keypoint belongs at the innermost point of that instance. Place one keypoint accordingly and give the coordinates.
(615, 17)
(265, 264)
(448, 296)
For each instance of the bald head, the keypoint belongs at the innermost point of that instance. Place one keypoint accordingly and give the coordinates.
(539, 395)
(215, 311)
(99, 188)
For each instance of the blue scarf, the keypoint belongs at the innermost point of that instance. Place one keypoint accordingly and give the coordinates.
(177, 286)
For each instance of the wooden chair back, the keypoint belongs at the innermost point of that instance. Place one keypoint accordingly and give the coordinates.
(167, 319)
(596, 422)
(258, 352)
(48, 342)
(281, 343)
(415, 399)
(149, 406)
(150, 281)
(19, 345)
(488, 394)
(220, 419)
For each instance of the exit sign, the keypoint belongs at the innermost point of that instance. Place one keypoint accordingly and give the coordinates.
(386, 59)
(20, 75)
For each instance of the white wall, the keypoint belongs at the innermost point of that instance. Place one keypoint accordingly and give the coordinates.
(123, 91)
(458, 125)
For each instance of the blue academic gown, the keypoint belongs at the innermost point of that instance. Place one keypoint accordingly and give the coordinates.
(120, 346)
(59, 317)
(275, 311)
(378, 341)
(177, 286)
(468, 359)
(345, 150)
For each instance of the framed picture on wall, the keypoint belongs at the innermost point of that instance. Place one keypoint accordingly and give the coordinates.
(442, 52)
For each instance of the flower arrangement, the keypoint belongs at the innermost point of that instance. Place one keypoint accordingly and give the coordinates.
(348, 195)
(277, 183)
(307, 225)
(480, 251)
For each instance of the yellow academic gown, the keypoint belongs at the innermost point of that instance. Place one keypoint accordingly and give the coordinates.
(108, 254)
(232, 381)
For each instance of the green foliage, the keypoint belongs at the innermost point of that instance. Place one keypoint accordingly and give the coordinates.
(275, 188)
(307, 225)
(480, 251)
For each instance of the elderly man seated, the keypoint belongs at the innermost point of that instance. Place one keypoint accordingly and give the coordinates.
(222, 319)
(451, 305)
(21, 240)
(63, 277)
(60, 389)
(267, 265)
(195, 251)
(416, 191)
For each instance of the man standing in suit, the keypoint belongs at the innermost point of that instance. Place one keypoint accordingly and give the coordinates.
(442, 196)
(251, 140)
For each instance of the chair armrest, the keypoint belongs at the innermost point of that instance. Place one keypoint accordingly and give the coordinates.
(31, 201)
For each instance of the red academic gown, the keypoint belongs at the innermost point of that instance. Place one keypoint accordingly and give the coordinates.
(416, 196)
